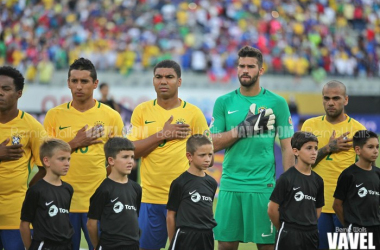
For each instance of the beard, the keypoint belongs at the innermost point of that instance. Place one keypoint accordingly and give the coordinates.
(251, 82)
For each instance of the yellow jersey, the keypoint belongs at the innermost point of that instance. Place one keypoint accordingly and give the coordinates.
(168, 161)
(25, 130)
(333, 164)
(87, 164)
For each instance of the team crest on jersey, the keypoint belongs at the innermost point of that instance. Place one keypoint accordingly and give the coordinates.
(180, 121)
(99, 125)
(16, 139)
(290, 120)
(207, 133)
(262, 109)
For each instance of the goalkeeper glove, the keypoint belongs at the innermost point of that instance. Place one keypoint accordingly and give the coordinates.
(256, 124)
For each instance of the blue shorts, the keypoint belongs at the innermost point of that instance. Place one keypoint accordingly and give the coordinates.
(79, 222)
(11, 239)
(327, 223)
(152, 222)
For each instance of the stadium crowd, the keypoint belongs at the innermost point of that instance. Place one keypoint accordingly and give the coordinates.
(339, 37)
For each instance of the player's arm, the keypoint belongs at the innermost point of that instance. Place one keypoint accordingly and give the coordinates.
(169, 132)
(38, 176)
(338, 208)
(25, 233)
(319, 211)
(170, 224)
(288, 159)
(335, 145)
(92, 227)
(225, 139)
(274, 214)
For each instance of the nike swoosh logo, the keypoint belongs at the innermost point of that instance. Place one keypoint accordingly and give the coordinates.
(60, 128)
(190, 193)
(147, 122)
(266, 235)
(359, 185)
(48, 203)
(296, 188)
(231, 112)
(114, 199)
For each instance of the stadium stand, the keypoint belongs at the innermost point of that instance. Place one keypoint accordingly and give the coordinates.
(317, 38)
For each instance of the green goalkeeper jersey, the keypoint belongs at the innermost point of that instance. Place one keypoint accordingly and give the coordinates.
(249, 164)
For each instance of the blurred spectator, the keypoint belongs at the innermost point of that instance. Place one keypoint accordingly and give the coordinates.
(45, 70)
(104, 90)
(296, 37)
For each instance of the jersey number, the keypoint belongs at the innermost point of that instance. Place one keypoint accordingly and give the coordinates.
(82, 150)
(328, 158)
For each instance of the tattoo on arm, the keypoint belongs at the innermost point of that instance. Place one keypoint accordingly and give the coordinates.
(322, 152)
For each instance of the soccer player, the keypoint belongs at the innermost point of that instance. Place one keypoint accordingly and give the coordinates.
(190, 218)
(334, 131)
(297, 200)
(358, 190)
(86, 125)
(159, 131)
(20, 138)
(116, 202)
(248, 176)
(47, 203)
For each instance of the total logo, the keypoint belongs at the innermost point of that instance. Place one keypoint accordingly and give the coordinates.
(363, 192)
(118, 207)
(54, 210)
(299, 196)
(196, 197)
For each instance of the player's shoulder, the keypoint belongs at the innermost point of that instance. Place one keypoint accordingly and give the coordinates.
(189, 106)
(356, 124)
(313, 120)
(317, 176)
(57, 109)
(269, 94)
(135, 185)
(230, 95)
(107, 109)
(67, 186)
(145, 105)
(29, 118)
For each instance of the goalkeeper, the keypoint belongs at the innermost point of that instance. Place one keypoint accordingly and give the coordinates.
(245, 123)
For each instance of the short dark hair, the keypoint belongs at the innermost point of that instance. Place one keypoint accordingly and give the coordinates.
(11, 72)
(50, 145)
(362, 136)
(301, 137)
(102, 85)
(169, 64)
(84, 64)
(116, 144)
(248, 51)
(195, 141)
(335, 84)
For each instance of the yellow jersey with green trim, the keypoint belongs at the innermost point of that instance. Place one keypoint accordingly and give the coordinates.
(333, 164)
(87, 164)
(25, 130)
(168, 161)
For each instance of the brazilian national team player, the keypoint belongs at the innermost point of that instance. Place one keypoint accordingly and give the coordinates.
(297, 200)
(86, 125)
